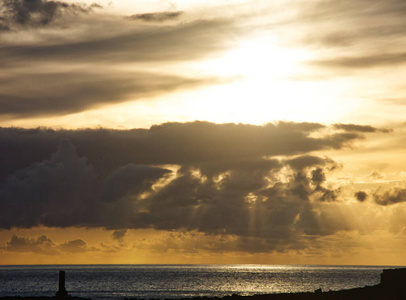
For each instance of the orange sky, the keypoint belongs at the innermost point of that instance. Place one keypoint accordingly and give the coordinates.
(202, 132)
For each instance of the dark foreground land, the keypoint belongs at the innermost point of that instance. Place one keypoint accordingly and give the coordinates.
(391, 287)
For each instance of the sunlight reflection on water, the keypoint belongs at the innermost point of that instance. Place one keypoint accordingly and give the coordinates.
(177, 281)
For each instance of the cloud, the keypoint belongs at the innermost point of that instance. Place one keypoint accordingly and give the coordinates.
(76, 246)
(69, 92)
(119, 234)
(352, 35)
(170, 143)
(304, 161)
(396, 101)
(248, 182)
(361, 196)
(318, 176)
(390, 197)
(40, 245)
(242, 203)
(194, 242)
(81, 59)
(45, 246)
(376, 175)
(66, 191)
(366, 19)
(36, 13)
(360, 128)
(363, 62)
(157, 16)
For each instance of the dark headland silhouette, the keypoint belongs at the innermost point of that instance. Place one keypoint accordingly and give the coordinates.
(391, 287)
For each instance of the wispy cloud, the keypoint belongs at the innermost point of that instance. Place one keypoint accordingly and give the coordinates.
(360, 128)
(351, 35)
(363, 62)
(57, 93)
(157, 16)
(26, 13)
(81, 61)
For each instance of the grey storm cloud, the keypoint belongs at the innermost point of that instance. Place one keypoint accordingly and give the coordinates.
(170, 143)
(242, 203)
(228, 180)
(66, 191)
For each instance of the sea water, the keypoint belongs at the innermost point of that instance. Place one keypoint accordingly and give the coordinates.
(181, 281)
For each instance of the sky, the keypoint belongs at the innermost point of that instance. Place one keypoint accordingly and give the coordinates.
(236, 131)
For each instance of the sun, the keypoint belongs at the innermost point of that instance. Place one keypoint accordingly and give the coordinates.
(262, 87)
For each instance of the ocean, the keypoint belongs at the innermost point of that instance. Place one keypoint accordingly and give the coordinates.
(180, 281)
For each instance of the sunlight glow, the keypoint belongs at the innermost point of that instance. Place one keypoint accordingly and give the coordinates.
(260, 89)
(256, 86)
(259, 59)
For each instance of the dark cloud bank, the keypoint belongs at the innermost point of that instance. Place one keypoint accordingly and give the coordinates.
(255, 182)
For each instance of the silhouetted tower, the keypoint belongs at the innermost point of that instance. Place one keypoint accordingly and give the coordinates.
(62, 291)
